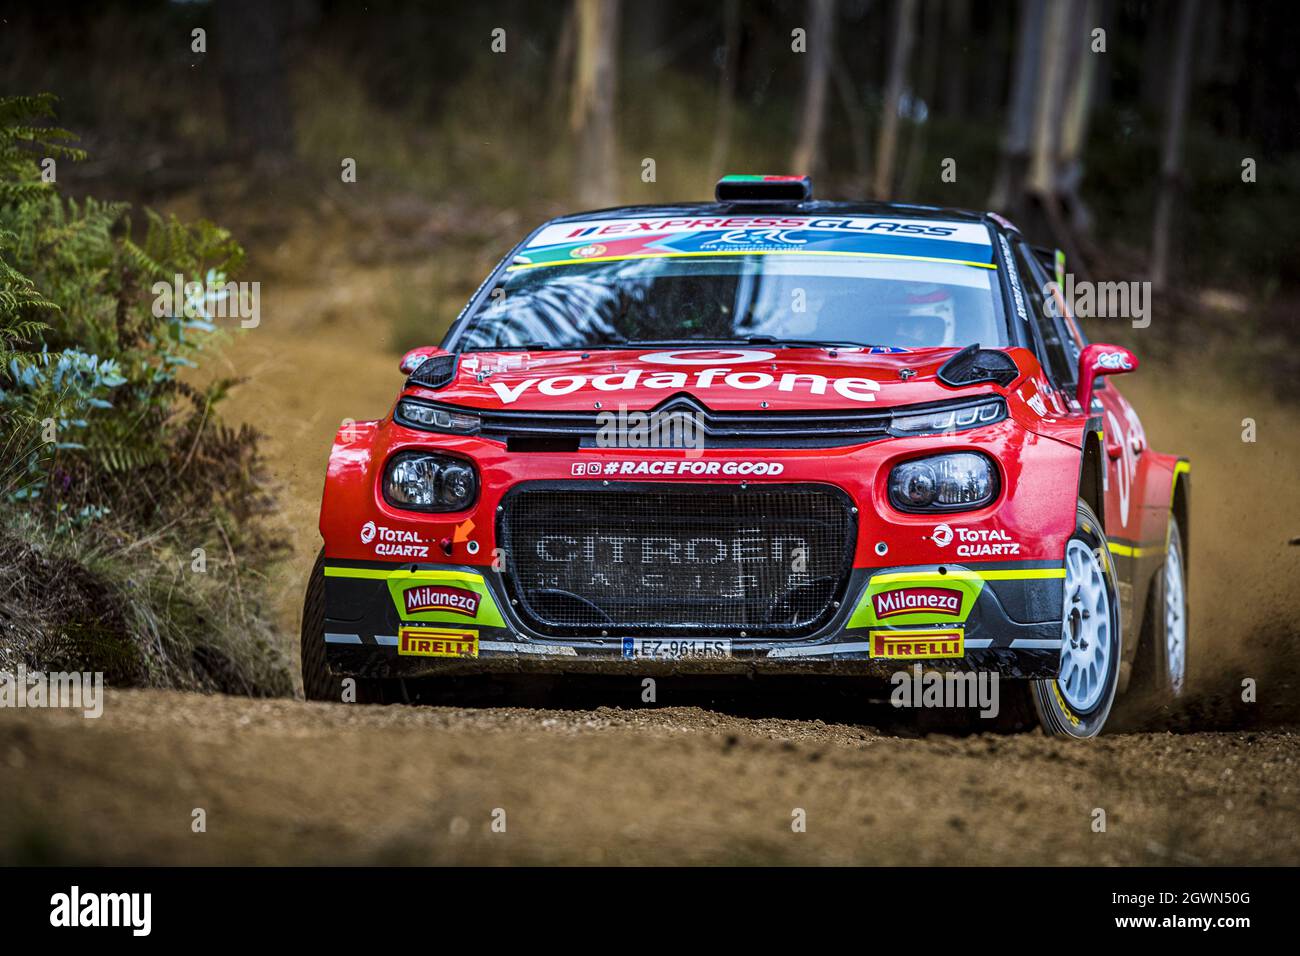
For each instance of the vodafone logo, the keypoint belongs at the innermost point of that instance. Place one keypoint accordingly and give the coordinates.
(708, 357)
(367, 532)
(941, 535)
(697, 370)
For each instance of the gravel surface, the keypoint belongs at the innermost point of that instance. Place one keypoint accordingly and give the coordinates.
(283, 781)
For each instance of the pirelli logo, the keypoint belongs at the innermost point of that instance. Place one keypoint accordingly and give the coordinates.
(436, 642)
(918, 644)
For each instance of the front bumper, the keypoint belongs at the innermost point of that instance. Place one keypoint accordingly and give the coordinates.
(418, 620)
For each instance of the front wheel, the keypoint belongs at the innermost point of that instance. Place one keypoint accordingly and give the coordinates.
(318, 681)
(1078, 701)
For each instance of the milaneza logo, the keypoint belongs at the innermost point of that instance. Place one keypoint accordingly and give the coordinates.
(435, 597)
(917, 601)
(367, 532)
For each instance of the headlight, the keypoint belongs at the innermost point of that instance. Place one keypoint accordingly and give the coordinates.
(959, 482)
(950, 418)
(419, 481)
(435, 418)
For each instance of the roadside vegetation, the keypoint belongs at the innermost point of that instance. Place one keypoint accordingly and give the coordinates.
(131, 531)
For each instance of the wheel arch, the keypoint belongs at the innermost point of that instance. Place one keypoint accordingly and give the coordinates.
(1092, 474)
(1180, 507)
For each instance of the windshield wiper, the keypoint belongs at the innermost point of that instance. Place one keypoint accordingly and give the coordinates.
(775, 340)
(522, 347)
(782, 341)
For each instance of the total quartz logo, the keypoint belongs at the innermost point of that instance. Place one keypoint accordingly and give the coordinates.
(975, 542)
(394, 542)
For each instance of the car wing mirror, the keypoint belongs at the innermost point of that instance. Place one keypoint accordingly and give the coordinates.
(1101, 359)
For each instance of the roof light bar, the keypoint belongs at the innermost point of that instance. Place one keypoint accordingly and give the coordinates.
(763, 189)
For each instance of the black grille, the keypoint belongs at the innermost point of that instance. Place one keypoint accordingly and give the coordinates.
(435, 372)
(747, 429)
(765, 560)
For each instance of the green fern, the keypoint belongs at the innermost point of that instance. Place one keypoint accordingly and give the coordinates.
(75, 282)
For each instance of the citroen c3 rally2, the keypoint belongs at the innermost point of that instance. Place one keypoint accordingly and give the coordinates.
(900, 447)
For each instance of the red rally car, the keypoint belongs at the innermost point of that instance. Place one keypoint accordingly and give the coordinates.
(762, 434)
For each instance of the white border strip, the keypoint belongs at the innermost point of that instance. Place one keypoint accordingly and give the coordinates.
(820, 650)
(509, 647)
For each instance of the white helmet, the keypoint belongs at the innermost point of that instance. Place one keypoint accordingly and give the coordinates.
(927, 299)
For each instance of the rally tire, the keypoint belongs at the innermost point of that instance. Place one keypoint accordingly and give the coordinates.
(317, 681)
(1161, 658)
(1169, 619)
(1078, 701)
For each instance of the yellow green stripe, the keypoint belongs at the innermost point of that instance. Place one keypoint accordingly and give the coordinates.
(380, 574)
(1017, 574)
(1129, 551)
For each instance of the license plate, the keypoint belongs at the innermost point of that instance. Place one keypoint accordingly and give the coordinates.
(671, 650)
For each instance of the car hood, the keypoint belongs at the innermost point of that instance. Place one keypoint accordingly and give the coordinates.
(722, 379)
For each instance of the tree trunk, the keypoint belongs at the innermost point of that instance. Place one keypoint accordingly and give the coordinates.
(855, 116)
(729, 71)
(925, 92)
(1074, 120)
(248, 38)
(996, 45)
(562, 64)
(1053, 62)
(807, 149)
(591, 115)
(899, 55)
(1044, 216)
(1171, 164)
(956, 36)
(1008, 186)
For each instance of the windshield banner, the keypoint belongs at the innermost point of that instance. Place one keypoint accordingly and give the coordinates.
(574, 242)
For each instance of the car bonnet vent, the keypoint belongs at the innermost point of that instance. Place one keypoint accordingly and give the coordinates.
(974, 364)
(435, 372)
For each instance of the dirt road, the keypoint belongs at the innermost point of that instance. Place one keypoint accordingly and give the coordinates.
(289, 782)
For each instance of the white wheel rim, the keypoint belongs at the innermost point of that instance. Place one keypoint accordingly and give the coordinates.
(1086, 637)
(1175, 617)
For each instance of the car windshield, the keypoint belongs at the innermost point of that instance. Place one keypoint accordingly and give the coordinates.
(803, 298)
